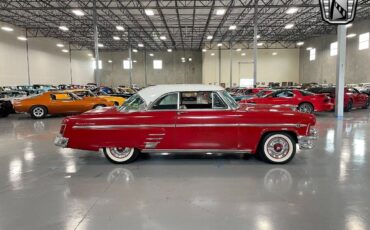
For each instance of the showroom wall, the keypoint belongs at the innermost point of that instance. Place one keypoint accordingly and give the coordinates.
(47, 64)
(174, 70)
(281, 67)
(323, 68)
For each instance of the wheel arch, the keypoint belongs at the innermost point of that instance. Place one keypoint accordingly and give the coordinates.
(308, 102)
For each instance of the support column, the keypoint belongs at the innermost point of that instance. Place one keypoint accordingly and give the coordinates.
(145, 71)
(255, 43)
(28, 61)
(219, 66)
(96, 45)
(341, 69)
(70, 62)
(231, 64)
(129, 56)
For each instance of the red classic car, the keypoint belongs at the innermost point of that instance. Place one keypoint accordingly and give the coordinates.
(188, 118)
(352, 97)
(305, 101)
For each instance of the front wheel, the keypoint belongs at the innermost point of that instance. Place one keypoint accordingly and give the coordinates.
(367, 104)
(38, 112)
(305, 108)
(349, 106)
(98, 106)
(277, 148)
(121, 155)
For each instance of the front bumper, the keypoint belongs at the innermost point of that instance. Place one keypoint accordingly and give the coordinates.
(306, 142)
(61, 141)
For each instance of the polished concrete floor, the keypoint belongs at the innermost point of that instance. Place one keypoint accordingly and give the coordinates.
(45, 187)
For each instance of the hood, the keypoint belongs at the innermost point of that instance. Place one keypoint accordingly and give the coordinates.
(267, 108)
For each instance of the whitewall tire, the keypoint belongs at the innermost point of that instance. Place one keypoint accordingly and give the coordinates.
(121, 155)
(278, 148)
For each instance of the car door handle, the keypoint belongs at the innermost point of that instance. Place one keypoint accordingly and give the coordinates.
(181, 112)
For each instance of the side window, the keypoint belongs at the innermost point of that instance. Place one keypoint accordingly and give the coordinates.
(284, 94)
(60, 97)
(168, 101)
(218, 103)
(196, 100)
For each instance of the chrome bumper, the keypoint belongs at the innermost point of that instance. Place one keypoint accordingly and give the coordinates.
(61, 141)
(306, 142)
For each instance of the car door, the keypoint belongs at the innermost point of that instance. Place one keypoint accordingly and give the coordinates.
(63, 103)
(204, 122)
(283, 97)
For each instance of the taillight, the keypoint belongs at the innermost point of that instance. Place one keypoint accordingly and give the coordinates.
(62, 129)
(327, 100)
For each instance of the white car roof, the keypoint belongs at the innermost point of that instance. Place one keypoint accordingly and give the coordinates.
(151, 93)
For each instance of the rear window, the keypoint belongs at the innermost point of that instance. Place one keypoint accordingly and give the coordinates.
(306, 93)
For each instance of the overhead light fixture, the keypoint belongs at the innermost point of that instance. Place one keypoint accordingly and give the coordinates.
(7, 28)
(110, 61)
(60, 45)
(163, 37)
(351, 35)
(183, 59)
(120, 28)
(238, 49)
(219, 44)
(22, 38)
(134, 61)
(90, 55)
(134, 50)
(209, 37)
(232, 27)
(349, 25)
(63, 28)
(149, 12)
(190, 59)
(151, 54)
(78, 12)
(100, 45)
(212, 54)
(260, 44)
(309, 48)
(220, 11)
(292, 10)
(140, 45)
(64, 50)
(169, 50)
(300, 43)
(289, 26)
(116, 38)
(243, 54)
(274, 54)
(204, 50)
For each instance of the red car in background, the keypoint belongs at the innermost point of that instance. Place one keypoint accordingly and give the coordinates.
(244, 93)
(352, 97)
(305, 101)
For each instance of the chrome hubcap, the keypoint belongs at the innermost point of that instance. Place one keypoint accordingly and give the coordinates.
(38, 112)
(278, 147)
(305, 108)
(120, 152)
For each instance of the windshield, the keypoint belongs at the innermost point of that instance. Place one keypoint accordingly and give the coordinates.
(263, 93)
(135, 102)
(229, 99)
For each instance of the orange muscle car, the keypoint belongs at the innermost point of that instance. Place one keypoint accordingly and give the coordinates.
(58, 103)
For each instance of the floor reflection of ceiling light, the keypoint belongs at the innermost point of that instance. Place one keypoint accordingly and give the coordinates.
(209, 153)
(165, 154)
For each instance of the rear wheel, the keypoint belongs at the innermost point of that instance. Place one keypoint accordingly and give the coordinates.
(277, 148)
(349, 106)
(38, 111)
(98, 106)
(121, 155)
(305, 107)
(367, 104)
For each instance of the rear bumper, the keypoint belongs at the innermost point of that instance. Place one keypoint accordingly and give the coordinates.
(306, 142)
(324, 107)
(61, 141)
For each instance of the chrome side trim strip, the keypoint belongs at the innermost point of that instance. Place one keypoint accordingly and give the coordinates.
(206, 125)
(196, 150)
(103, 127)
(156, 134)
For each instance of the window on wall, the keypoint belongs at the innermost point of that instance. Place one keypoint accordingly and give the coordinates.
(333, 48)
(126, 64)
(100, 64)
(312, 54)
(363, 41)
(157, 64)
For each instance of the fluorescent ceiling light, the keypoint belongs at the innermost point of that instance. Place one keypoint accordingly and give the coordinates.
(60, 45)
(260, 44)
(163, 37)
(64, 50)
(232, 27)
(7, 28)
(351, 35)
(64, 28)
(90, 55)
(220, 11)
(190, 59)
(121, 28)
(258, 36)
(204, 50)
(22, 38)
(212, 54)
(110, 61)
(209, 37)
(134, 50)
(151, 54)
(78, 12)
(149, 12)
(219, 44)
(292, 10)
(300, 43)
(289, 26)
(349, 25)
(140, 45)
(238, 49)
(243, 54)
(100, 45)
(134, 61)
(274, 53)
(169, 50)
(309, 48)
(116, 38)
